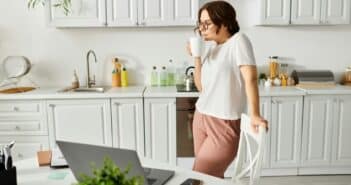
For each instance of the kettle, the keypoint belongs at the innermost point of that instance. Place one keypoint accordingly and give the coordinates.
(189, 79)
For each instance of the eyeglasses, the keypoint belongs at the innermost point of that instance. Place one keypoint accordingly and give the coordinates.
(203, 25)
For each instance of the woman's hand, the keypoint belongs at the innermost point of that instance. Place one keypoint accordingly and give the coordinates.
(257, 121)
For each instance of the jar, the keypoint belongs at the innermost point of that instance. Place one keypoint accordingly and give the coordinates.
(273, 66)
(348, 74)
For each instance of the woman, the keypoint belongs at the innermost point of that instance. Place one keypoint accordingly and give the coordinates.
(225, 76)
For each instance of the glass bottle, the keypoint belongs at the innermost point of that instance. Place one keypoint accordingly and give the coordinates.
(163, 76)
(170, 73)
(154, 76)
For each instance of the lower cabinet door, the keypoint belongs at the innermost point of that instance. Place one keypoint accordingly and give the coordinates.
(160, 129)
(83, 121)
(286, 131)
(25, 146)
(128, 124)
(317, 131)
(341, 148)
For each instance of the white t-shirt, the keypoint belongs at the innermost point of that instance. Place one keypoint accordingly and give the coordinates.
(223, 89)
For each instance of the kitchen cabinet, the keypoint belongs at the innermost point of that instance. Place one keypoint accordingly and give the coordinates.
(317, 130)
(128, 124)
(341, 150)
(286, 126)
(122, 13)
(325, 140)
(305, 12)
(160, 129)
(273, 12)
(320, 12)
(24, 121)
(84, 121)
(126, 13)
(84, 13)
(266, 112)
(167, 12)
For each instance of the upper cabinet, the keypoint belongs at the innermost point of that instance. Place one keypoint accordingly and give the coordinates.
(274, 12)
(84, 13)
(126, 13)
(306, 11)
(122, 13)
(285, 12)
(336, 11)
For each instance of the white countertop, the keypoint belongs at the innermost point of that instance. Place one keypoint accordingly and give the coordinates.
(339, 89)
(171, 91)
(159, 92)
(280, 91)
(52, 93)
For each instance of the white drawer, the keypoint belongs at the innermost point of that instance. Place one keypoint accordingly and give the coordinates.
(22, 126)
(20, 107)
(26, 146)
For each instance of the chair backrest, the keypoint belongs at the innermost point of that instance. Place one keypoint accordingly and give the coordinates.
(248, 140)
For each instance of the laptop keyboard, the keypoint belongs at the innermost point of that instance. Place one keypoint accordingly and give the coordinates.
(147, 171)
(150, 181)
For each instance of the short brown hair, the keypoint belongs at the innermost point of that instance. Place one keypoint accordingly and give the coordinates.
(222, 14)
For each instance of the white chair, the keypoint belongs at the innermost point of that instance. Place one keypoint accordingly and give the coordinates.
(248, 141)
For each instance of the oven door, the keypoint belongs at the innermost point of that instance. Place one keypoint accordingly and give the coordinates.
(185, 142)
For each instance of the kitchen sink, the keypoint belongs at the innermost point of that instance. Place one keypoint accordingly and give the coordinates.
(89, 89)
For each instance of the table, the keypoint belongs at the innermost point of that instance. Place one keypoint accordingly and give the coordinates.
(29, 173)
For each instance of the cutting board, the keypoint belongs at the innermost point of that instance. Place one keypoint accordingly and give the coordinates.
(16, 90)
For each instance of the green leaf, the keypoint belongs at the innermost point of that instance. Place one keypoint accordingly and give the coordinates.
(110, 174)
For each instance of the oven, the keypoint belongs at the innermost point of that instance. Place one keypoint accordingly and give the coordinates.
(185, 107)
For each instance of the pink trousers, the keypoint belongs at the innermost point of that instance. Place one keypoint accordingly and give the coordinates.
(215, 143)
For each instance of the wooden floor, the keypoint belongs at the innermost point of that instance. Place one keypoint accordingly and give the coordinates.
(306, 180)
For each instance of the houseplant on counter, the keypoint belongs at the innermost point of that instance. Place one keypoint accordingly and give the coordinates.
(109, 174)
(65, 5)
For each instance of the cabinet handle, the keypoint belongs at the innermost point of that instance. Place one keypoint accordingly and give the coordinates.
(136, 23)
(17, 127)
(117, 104)
(276, 101)
(16, 109)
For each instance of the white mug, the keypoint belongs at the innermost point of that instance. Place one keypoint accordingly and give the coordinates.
(195, 46)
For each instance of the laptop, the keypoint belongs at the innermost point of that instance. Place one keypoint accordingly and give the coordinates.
(80, 157)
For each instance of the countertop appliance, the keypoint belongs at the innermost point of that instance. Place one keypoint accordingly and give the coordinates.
(316, 78)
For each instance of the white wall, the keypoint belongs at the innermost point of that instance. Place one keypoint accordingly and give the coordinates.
(57, 52)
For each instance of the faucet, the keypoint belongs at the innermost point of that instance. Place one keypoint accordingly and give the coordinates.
(90, 82)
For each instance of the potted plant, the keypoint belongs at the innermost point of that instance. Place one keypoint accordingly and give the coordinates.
(109, 174)
(65, 5)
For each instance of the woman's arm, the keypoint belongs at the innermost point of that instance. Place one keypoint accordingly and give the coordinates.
(197, 71)
(197, 75)
(249, 73)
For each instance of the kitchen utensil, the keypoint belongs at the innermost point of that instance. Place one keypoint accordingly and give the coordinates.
(16, 90)
(14, 68)
(2, 161)
(189, 79)
(7, 153)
